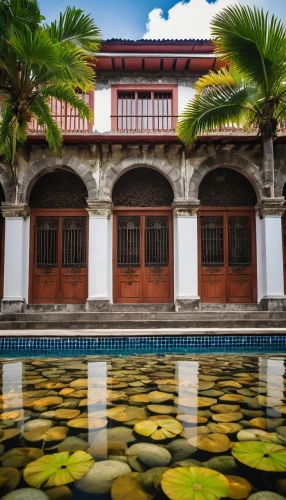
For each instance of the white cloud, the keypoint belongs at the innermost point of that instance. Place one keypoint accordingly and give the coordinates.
(191, 19)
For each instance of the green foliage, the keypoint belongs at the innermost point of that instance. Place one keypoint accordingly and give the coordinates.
(38, 62)
(252, 89)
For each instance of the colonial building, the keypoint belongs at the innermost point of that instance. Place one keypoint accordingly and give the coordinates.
(129, 215)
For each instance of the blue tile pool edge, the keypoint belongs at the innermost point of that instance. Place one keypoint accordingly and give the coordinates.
(31, 346)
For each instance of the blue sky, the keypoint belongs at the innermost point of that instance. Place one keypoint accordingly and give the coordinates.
(154, 18)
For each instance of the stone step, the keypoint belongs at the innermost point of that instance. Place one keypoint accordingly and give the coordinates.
(142, 316)
(147, 323)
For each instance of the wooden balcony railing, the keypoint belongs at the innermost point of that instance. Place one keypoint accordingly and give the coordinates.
(67, 118)
(145, 123)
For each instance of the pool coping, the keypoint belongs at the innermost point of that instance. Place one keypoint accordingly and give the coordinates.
(100, 333)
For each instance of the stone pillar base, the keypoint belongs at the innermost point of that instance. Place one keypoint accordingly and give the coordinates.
(182, 305)
(97, 305)
(273, 303)
(12, 306)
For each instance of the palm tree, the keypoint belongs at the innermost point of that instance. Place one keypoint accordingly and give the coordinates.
(250, 89)
(38, 62)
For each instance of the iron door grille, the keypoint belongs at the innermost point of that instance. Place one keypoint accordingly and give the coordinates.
(128, 241)
(212, 241)
(156, 241)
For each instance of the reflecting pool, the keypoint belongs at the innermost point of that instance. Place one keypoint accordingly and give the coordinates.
(143, 427)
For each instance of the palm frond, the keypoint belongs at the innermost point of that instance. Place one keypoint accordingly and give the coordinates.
(42, 112)
(67, 94)
(221, 78)
(77, 28)
(253, 42)
(34, 48)
(215, 108)
(73, 68)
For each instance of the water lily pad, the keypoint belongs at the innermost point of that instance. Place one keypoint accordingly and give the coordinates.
(162, 409)
(87, 423)
(159, 397)
(7, 434)
(192, 419)
(20, 457)
(261, 455)
(231, 398)
(267, 424)
(48, 401)
(129, 488)
(239, 488)
(126, 413)
(194, 483)
(9, 479)
(227, 417)
(59, 493)
(159, 428)
(225, 408)
(64, 414)
(46, 435)
(213, 443)
(58, 469)
(16, 415)
(250, 434)
(139, 398)
(225, 428)
(194, 402)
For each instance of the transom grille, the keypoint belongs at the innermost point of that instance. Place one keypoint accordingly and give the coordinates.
(47, 241)
(128, 241)
(156, 241)
(212, 251)
(74, 242)
(239, 241)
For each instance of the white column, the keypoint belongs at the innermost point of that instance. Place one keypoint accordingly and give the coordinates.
(99, 256)
(186, 256)
(270, 251)
(16, 260)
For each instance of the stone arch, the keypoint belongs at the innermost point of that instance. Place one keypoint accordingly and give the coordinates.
(6, 184)
(226, 160)
(114, 172)
(45, 165)
(280, 181)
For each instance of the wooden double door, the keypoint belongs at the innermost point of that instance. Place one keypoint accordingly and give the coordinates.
(58, 256)
(143, 256)
(227, 262)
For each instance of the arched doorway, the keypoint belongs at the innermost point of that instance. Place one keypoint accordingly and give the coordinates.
(227, 251)
(2, 237)
(143, 238)
(58, 257)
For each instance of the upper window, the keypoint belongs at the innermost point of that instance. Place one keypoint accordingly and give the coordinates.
(144, 110)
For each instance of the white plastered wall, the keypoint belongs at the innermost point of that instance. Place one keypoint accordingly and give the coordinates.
(185, 93)
(102, 110)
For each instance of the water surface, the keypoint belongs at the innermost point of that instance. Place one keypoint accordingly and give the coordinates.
(114, 427)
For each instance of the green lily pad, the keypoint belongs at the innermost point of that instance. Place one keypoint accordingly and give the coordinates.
(58, 469)
(261, 455)
(159, 428)
(194, 483)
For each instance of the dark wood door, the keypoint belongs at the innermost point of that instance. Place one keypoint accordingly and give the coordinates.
(227, 256)
(143, 257)
(59, 257)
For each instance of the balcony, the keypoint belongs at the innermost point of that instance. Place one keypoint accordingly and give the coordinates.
(66, 117)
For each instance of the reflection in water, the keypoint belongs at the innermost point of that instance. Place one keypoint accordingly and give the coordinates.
(116, 427)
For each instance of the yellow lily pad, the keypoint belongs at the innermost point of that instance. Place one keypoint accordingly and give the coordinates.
(159, 428)
(127, 413)
(46, 435)
(48, 401)
(20, 457)
(9, 479)
(87, 423)
(225, 428)
(129, 488)
(227, 417)
(194, 483)
(213, 443)
(162, 409)
(58, 469)
(195, 402)
(7, 434)
(239, 488)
